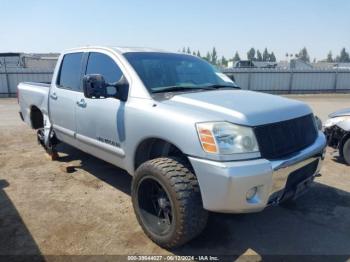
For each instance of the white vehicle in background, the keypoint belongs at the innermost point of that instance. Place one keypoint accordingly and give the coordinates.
(337, 131)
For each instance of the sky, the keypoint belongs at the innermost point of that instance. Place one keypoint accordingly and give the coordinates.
(281, 26)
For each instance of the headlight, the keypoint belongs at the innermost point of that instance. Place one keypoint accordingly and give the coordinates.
(226, 138)
(335, 120)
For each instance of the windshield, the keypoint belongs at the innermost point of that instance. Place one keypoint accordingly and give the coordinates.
(176, 72)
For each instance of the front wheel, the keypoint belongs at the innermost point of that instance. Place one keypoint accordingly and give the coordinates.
(167, 202)
(345, 151)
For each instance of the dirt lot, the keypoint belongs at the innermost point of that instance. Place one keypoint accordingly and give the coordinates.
(46, 210)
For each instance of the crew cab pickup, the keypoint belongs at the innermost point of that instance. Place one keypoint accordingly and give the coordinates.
(191, 138)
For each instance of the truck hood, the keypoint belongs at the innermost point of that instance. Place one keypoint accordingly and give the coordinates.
(239, 106)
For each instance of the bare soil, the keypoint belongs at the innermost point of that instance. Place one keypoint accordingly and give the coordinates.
(80, 205)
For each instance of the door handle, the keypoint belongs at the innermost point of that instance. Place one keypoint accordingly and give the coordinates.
(53, 96)
(81, 103)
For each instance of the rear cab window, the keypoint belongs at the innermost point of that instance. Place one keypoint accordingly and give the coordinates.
(69, 76)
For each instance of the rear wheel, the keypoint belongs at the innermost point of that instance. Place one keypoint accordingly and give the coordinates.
(167, 202)
(345, 151)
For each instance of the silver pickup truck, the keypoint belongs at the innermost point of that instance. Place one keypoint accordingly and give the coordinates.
(192, 140)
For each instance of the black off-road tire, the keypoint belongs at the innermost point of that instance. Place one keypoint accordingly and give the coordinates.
(289, 203)
(345, 151)
(182, 188)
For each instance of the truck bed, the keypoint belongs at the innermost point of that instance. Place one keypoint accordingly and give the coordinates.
(30, 95)
(44, 84)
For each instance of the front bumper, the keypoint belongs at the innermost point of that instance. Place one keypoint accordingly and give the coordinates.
(224, 185)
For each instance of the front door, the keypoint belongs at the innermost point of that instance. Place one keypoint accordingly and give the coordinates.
(100, 121)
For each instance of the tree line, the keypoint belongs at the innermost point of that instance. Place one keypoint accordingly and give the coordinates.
(213, 58)
(265, 56)
(343, 57)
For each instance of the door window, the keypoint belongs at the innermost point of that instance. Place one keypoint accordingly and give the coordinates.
(69, 75)
(104, 65)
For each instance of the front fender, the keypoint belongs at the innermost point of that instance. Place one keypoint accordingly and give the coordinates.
(345, 125)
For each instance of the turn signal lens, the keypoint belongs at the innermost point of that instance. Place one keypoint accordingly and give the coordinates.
(207, 140)
(209, 148)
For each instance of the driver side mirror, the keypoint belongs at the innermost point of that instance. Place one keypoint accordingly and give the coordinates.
(95, 86)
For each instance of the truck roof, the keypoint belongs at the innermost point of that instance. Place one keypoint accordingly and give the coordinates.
(120, 50)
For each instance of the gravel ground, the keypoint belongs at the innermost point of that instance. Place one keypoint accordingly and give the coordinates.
(80, 205)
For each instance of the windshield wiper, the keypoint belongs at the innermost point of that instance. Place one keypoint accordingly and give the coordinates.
(181, 88)
(217, 86)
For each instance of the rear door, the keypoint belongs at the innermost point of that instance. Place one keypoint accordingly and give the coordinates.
(63, 96)
(100, 122)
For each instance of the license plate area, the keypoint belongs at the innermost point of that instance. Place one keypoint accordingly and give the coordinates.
(298, 181)
(295, 182)
(300, 175)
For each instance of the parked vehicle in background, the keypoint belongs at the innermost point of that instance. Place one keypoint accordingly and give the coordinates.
(244, 64)
(337, 131)
(251, 64)
(192, 140)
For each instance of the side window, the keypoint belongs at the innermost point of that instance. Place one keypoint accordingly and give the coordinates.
(104, 65)
(69, 75)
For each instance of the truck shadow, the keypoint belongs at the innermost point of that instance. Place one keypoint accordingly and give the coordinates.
(16, 242)
(104, 171)
(335, 156)
(318, 224)
(339, 160)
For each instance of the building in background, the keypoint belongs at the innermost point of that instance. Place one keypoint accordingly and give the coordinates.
(30, 61)
(294, 64)
(251, 64)
(21, 67)
(331, 65)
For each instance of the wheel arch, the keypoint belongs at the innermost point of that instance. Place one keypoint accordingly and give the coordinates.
(154, 147)
(36, 117)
